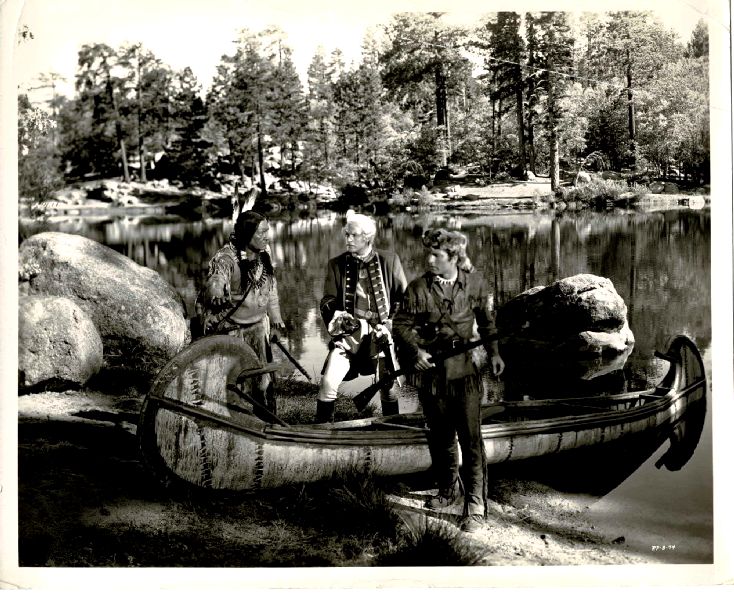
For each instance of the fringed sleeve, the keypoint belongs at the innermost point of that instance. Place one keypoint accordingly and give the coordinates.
(274, 302)
(398, 284)
(482, 305)
(405, 320)
(221, 267)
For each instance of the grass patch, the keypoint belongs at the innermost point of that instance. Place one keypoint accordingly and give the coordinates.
(434, 544)
(297, 403)
(86, 500)
(354, 503)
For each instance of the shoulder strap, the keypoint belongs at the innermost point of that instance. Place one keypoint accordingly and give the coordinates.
(228, 316)
(445, 317)
(380, 293)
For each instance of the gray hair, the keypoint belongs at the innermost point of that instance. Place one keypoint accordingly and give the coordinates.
(365, 223)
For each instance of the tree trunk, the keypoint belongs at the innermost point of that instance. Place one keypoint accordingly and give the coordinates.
(449, 148)
(118, 130)
(631, 115)
(325, 137)
(493, 147)
(553, 130)
(261, 162)
(141, 153)
(520, 122)
(141, 140)
(260, 157)
(441, 114)
(499, 117)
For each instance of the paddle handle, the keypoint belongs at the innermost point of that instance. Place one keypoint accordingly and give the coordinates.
(276, 340)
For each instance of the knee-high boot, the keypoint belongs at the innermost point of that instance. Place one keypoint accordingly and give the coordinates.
(389, 407)
(324, 411)
(389, 402)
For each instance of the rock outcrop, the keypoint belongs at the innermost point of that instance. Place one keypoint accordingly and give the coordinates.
(57, 342)
(139, 316)
(582, 314)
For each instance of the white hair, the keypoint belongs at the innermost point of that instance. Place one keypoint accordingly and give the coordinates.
(365, 223)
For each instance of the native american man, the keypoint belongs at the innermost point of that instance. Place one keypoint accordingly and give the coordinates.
(241, 275)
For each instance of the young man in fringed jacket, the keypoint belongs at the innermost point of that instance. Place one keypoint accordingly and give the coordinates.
(438, 314)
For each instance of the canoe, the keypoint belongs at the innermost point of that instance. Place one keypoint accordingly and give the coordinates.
(195, 428)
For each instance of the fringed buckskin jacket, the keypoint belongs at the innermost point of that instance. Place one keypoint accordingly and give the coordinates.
(262, 298)
(432, 316)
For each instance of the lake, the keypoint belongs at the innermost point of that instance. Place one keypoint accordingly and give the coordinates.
(659, 263)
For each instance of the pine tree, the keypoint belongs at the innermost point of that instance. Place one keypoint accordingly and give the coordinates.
(96, 85)
(422, 68)
(505, 64)
(698, 45)
(321, 116)
(239, 103)
(287, 106)
(188, 150)
(555, 50)
(146, 101)
(635, 47)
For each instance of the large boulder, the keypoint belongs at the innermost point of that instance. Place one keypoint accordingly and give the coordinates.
(57, 342)
(582, 314)
(138, 314)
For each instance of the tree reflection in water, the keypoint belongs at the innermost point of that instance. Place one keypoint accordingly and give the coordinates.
(659, 262)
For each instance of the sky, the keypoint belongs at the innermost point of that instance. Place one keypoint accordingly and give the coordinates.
(196, 33)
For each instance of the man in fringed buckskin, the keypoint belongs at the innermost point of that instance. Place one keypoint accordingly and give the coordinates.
(438, 314)
(241, 275)
(363, 288)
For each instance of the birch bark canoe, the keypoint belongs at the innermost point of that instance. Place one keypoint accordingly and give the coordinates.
(194, 429)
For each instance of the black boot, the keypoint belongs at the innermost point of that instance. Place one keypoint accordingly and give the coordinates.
(390, 407)
(324, 412)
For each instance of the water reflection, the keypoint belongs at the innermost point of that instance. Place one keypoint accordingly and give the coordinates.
(659, 263)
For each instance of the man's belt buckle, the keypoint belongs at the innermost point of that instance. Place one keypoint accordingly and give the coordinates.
(455, 344)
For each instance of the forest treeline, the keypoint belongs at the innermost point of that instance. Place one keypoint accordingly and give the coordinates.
(536, 92)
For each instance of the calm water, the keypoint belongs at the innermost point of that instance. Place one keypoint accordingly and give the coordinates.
(659, 263)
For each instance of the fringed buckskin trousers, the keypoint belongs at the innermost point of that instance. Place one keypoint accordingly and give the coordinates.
(453, 409)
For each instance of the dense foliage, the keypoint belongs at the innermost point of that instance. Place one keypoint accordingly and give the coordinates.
(517, 93)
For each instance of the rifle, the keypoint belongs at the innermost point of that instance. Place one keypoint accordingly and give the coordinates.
(387, 345)
(362, 399)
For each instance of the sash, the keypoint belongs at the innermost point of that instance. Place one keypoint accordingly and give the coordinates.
(376, 283)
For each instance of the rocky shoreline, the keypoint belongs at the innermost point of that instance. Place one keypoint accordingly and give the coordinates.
(112, 197)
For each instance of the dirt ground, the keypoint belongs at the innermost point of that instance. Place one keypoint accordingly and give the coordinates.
(82, 488)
